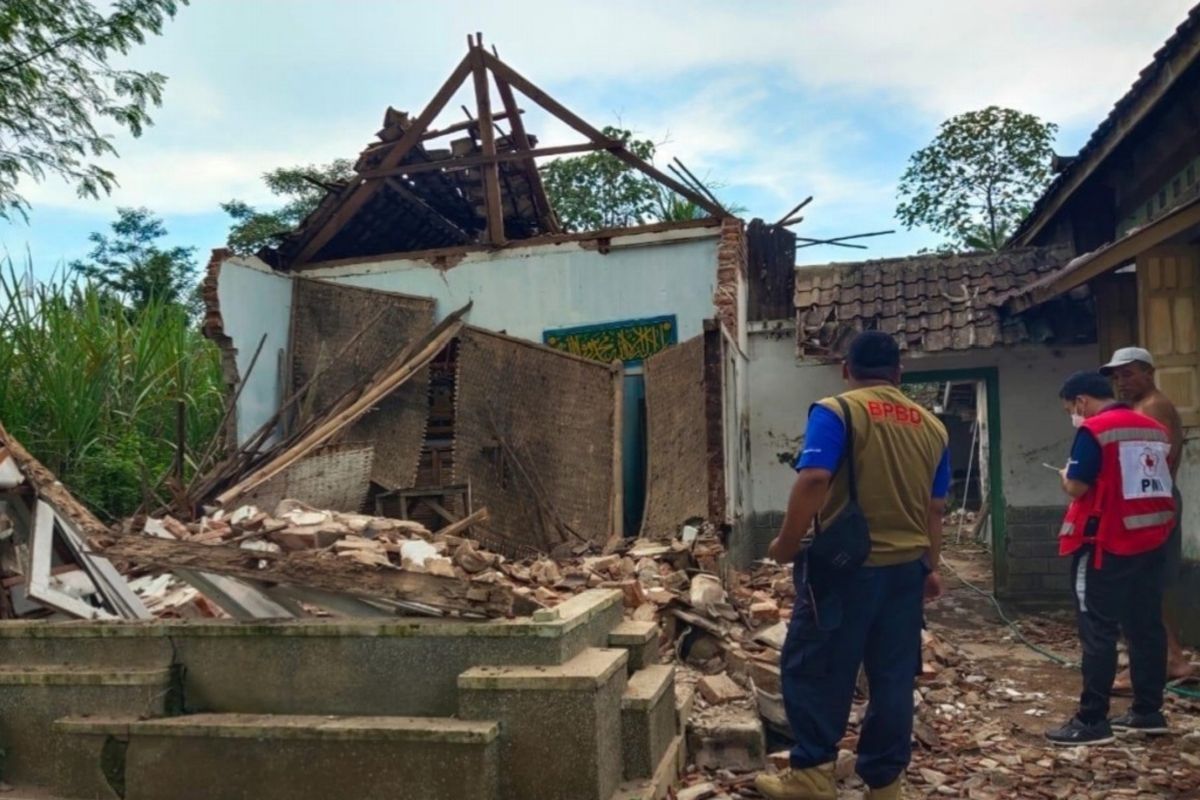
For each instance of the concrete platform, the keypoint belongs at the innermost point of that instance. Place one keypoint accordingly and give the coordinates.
(560, 725)
(648, 719)
(278, 757)
(32, 698)
(640, 639)
(283, 667)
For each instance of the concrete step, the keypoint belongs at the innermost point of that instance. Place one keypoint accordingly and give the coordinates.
(648, 719)
(560, 725)
(666, 776)
(640, 639)
(96, 644)
(32, 698)
(285, 757)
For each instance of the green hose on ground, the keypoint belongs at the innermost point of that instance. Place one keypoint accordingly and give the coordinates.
(1066, 662)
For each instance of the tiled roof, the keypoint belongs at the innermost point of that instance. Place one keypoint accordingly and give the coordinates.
(931, 303)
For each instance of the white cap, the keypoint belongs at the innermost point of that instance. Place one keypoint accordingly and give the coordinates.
(1128, 355)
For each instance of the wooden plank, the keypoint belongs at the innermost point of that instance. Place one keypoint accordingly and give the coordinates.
(468, 124)
(317, 571)
(526, 87)
(355, 196)
(541, 201)
(467, 162)
(434, 254)
(454, 528)
(355, 404)
(487, 140)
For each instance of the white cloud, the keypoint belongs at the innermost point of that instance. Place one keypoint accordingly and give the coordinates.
(252, 89)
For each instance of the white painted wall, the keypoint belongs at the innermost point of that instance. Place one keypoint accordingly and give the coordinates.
(525, 291)
(1033, 427)
(255, 301)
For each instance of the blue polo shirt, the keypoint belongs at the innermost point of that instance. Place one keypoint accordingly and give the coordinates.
(825, 440)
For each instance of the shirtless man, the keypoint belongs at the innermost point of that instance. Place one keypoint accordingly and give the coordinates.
(1132, 369)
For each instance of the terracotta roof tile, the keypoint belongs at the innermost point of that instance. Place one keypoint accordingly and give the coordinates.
(934, 302)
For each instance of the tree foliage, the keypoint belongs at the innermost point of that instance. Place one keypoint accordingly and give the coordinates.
(302, 188)
(131, 267)
(58, 92)
(93, 390)
(598, 190)
(978, 178)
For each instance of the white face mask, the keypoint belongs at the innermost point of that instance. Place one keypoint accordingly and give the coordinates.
(1077, 420)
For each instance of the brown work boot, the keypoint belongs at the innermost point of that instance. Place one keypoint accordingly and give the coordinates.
(893, 791)
(814, 783)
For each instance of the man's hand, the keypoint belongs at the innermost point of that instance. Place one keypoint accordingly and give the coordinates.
(933, 587)
(773, 549)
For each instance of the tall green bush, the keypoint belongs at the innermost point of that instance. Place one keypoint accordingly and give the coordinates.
(92, 388)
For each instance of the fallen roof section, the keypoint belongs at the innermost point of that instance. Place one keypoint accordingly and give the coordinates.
(930, 303)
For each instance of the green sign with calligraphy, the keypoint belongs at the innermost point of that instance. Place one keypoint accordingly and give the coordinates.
(630, 341)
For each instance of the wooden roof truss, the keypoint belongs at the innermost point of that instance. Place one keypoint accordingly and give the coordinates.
(485, 188)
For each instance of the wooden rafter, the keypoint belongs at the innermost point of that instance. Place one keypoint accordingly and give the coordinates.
(541, 202)
(478, 63)
(434, 216)
(510, 76)
(465, 162)
(357, 194)
(487, 138)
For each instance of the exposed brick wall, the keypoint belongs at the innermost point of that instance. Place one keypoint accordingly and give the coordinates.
(213, 327)
(1034, 572)
(731, 262)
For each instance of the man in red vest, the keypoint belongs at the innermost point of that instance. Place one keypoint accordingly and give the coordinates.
(1121, 514)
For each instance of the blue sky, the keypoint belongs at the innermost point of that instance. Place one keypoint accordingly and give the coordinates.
(775, 101)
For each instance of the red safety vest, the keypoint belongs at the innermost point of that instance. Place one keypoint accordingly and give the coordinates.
(1130, 508)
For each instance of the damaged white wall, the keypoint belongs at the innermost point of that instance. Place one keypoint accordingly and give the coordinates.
(525, 291)
(1033, 427)
(256, 301)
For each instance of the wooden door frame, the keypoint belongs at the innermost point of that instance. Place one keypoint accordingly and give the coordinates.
(990, 377)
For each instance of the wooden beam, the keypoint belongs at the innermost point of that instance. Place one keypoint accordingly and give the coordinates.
(494, 205)
(467, 125)
(352, 405)
(526, 87)
(318, 571)
(433, 254)
(356, 195)
(465, 162)
(1108, 258)
(541, 201)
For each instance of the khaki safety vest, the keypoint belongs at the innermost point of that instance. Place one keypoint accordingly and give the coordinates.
(897, 448)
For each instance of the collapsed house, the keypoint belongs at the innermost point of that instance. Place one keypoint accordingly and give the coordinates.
(598, 388)
(477, 472)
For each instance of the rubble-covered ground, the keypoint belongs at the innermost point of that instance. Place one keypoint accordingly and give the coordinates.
(983, 703)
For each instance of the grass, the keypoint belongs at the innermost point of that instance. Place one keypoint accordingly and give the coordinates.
(92, 389)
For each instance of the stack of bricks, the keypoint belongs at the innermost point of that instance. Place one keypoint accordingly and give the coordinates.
(731, 271)
(1035, 574)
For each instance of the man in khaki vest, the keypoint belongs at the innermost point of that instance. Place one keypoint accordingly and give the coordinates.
(873, 615)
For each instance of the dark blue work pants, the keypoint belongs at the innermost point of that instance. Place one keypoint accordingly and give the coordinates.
(873, 618)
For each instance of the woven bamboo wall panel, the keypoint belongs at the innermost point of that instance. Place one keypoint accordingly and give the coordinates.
(335, 478)
(534, 436)
(676, 452)
(325, 316)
